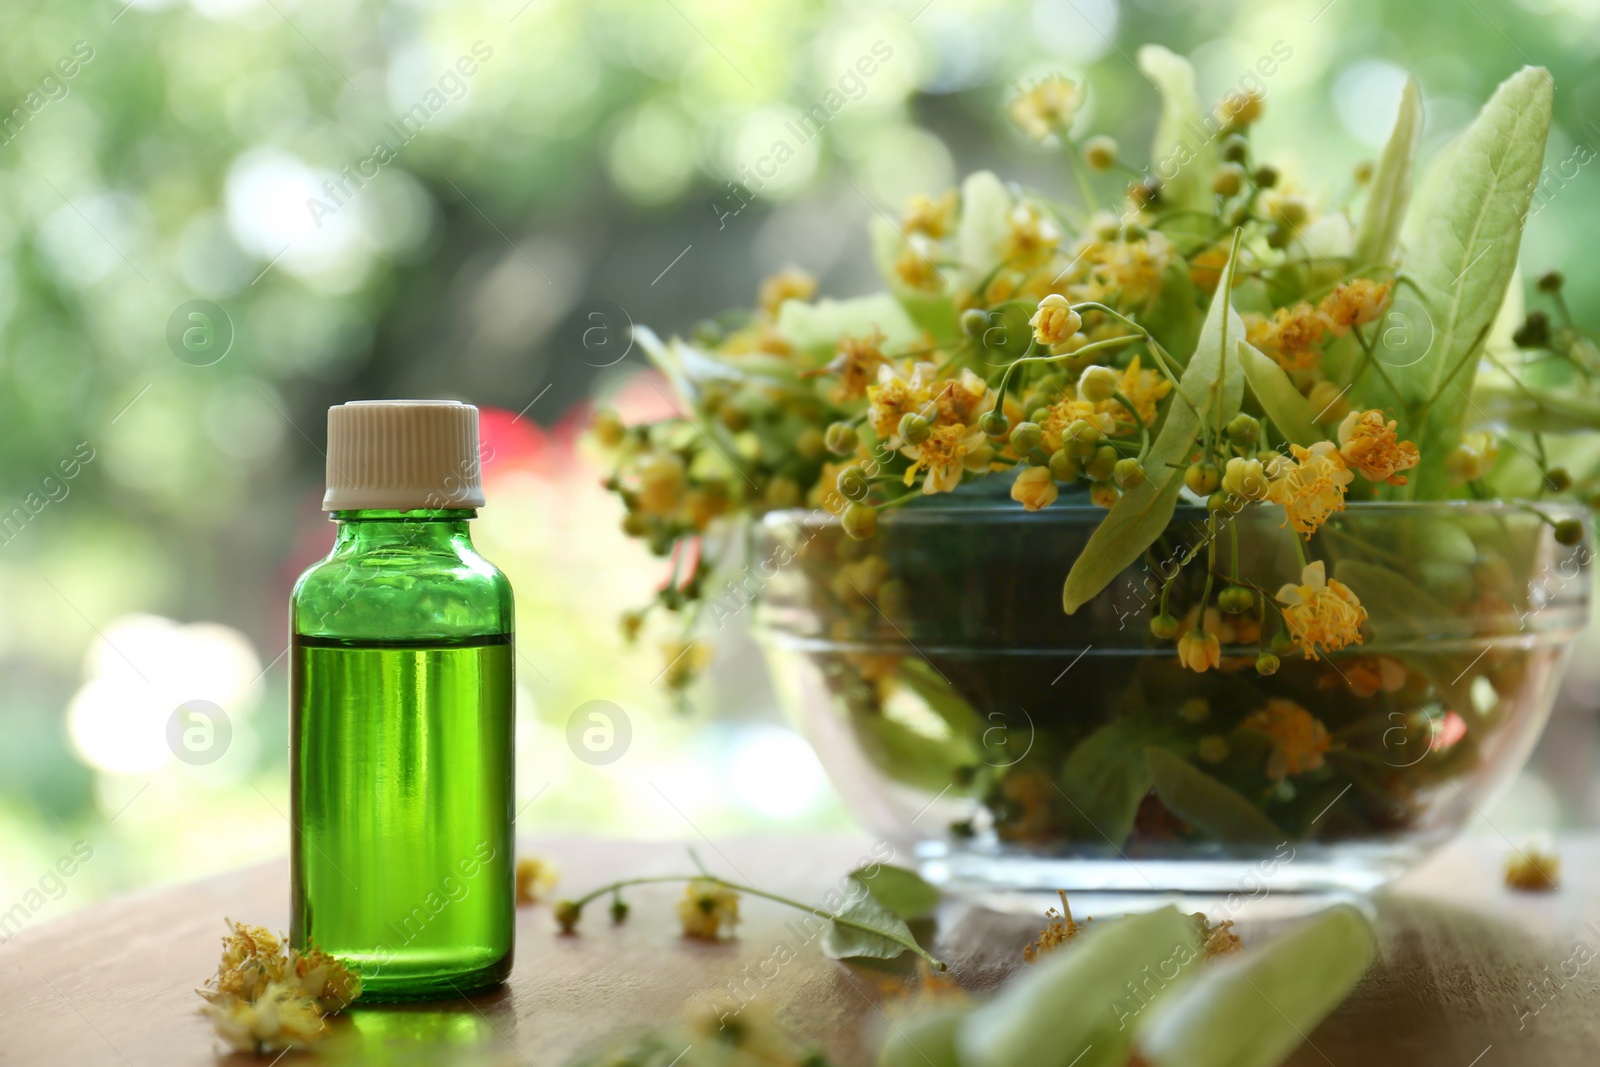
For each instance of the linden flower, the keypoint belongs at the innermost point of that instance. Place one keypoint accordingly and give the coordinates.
(280, 1018)
(1298, 738)
(1034, 488)
(1063, 413)
(662, 481)
(1059, 929)
(1371, 447)
(855, 363)
(1032, 236)
(252, 957)
(915, 266)
(324, 979)
(934, 217)
(1144, 388)
(706, 907)
(791, 283)
(1356, 304)
(1292, 336)
(1199, 650)
(1245, 479)
(536, 876)
(1321, 611)
(1311, 486)
(1047, 107)
(899, 392)
(1055, 321)
(1240, 108)
(944, 456)
(1534, 869)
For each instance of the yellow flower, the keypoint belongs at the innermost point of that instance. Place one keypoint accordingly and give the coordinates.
(1104, 495)
(252, 957)
(1534, 869)
(1060, 928)
(1239, 108)
(536, 876)
(1063, 413)
(943, 455)
(898, 392)
(280, 1018)
(324, 979)
(934, 217)
(1055, 321)
(1372, 448)
(1034, 488)
(1047, 107)
(1292, 336)
(1356, 304)
(1321, 611)
(1144, 388)
(1311, 486)
(1199, 650)
(791, 283)
(1032, 236)
(706, 907)
(915, 266)
(1475, 456)
(1298, 738)
(855, 363)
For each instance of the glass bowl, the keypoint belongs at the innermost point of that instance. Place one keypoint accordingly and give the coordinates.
(1012, 747)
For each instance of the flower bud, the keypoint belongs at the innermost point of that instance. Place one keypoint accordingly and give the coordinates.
(567, 914)
(1235, 148)
(1054, 321)
(1097, 384)
(914, 429)
(852, 483)
(619, 911)
(1081, 438)
(1026, 437)
(1557, 480)
(841, 438)
(1199, 650)
(608, 428)
(1228, 180)
(1236, 600)
(1551, 281)
(1128, 473)
(1283, 642)
(1245, 479)
(1100, 152)
(860, 521)
(1569, 532)
(1034, 489)
(1103, 465)
(994, 423)
(1063, 468)
(974, 321)
(782, 492)
(1244, 429)
(1266, 176)
(1202, 478)
(1266, 664)
(810, 443)
(1164, 626)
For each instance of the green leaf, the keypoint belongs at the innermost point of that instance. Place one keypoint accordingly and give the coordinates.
(1292, 414)
(925, 1039)
(1139, 516)
(1106, 777)
(1172, 317)
(1391, 184)
(1462, 242)
(1196, 797)
(984, 229)
(864, 927)
(1255, 1008)
(934, 311)
(902, 891)
(1073, 1007)
(1184, 153)
(815, 329)
(940, 697)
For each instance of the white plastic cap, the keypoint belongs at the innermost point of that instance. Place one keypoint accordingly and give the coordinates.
(402, 455)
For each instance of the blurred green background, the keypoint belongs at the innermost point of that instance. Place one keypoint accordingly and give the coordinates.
(545, 168)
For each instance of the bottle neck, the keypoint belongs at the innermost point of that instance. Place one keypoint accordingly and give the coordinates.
(418, 528)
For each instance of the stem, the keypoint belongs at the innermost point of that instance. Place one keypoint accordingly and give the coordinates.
(906, 943)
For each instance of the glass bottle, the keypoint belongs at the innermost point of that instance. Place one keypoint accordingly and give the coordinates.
(401, 714)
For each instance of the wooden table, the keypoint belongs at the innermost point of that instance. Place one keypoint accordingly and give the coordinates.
(1462, 961)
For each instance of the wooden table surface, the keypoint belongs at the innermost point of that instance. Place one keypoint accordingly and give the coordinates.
(1464, 965)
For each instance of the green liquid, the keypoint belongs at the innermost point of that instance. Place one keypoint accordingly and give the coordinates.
(400, 764)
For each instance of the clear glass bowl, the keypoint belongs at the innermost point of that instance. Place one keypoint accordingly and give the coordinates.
(1012, 747)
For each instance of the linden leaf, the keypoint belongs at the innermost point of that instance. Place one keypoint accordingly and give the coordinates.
(1194, 796)
(902, 891)
(1254, 1008)
(1292, 414)
(864, 927)
(1462, 243)
(1391, 185)
(1184, 154)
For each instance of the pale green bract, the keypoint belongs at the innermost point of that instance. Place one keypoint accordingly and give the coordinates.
(1391, 185)
(1183, 155)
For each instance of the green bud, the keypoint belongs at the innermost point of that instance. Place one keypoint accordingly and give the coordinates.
(1266, 176)
(1164, 626)
(1221, 501)
(1202, 478)
(1282, 642)
(1266, 664)
(810, 444)
(1236, 600)
(860, 521)
(1551, 282)
(974, 321)
(1235, 148)
(1244, 429)
(914, 429)
(1026, 437)
(1100, 152)
(1569, 532)
(1557, 480)
(1103, 465)
(1278, 236)
(994, 423)
(1228, 180)
(841, 438)
(1082, 438)
(619, 911)
(1128, 472)
(1063, 468)
(852, 483)
(1097, 384)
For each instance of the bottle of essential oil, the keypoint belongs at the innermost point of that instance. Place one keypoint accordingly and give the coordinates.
(400, 719)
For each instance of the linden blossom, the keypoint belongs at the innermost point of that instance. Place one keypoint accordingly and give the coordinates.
(411, 122)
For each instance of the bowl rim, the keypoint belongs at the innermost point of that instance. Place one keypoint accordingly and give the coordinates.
(1077, 512)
